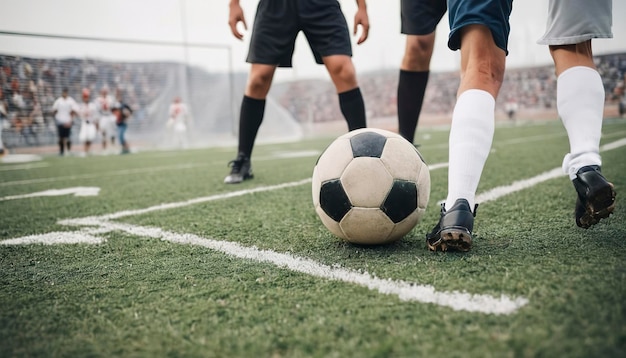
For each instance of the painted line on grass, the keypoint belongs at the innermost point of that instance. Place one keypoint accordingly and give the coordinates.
(76, 191)
(23, 166)
(20, 158)
(500, 191)
(405, 291)
(180, 204)
(105, 174)
(55, 238)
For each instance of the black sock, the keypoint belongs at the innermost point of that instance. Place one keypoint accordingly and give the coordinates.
(69, 145)
(353, 108)
(250, 119)
(411, 89)
(61, 146)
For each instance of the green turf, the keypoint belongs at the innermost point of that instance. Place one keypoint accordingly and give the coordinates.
(137, 296)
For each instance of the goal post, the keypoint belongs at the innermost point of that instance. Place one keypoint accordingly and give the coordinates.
(149, 74)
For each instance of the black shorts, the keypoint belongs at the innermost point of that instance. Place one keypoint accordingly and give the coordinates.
(64, 132)
(278, 22)
(421, 17)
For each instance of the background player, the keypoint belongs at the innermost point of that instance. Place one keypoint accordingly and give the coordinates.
(276, 25)
(64, 109)
(106, 123)
(177, 121)
(88, 114)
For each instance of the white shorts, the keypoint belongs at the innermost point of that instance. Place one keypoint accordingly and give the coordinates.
(180, 127)
(87, 132)
(107, 124)
(574, 21)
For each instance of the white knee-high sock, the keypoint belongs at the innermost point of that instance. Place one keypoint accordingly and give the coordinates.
(580, 103)
(470, 140)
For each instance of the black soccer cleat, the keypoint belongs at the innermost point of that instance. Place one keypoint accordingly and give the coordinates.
(454, 230)
(596, 196)
(241, 169)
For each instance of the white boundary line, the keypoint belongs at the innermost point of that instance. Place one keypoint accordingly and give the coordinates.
(404, 290)
(500, 191)
(100, 175)
(76, 191)
(24, 166)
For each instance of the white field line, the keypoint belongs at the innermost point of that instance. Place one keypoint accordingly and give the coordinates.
(534, 138)
(613, 145)
(500, 191)
(54, 238)
(278, 155)
(20, 158)
(437, 166)
(76, 191)
(180, 204)
(105, 174)
(405, 291)
(24, 166)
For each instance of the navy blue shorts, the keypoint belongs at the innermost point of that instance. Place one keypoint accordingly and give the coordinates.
(492, 13)
(421, 17)
(278, 22)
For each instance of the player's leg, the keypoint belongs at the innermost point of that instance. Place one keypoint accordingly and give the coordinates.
(419, 20)
(271, 44)
(112, 129)
(343, 74)
(580, 101)
(250, 119)
(3, 151)
(102, 127)
(68, 138)
(61, 141)
(412, 81)
(121, 128)
(326, 30)
(483, 57)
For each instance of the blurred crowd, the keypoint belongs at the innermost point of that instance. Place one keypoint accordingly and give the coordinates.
(529, 89)
(29, 87)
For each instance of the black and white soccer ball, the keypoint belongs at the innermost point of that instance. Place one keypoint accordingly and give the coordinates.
(370, 186)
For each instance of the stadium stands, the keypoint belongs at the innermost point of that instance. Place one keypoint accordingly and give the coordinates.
(29, 86)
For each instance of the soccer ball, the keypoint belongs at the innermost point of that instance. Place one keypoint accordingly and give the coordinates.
(370, 186)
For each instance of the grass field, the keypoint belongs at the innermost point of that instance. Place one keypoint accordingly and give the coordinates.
(158, 258)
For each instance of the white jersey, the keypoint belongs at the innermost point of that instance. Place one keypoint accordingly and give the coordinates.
(64, 108)
(178, 117)
(88, 112)
(575, 21)
(105, 104)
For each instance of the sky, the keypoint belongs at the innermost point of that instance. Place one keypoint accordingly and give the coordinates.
(206, 22)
